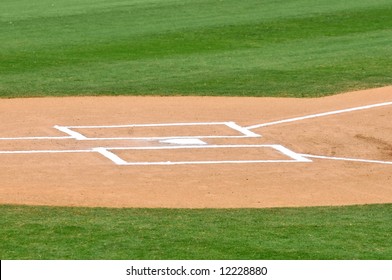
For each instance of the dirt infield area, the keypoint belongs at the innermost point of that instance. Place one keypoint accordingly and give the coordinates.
(196, 152)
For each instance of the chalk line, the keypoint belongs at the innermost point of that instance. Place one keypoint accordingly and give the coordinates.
(208, 162)
(241, 129)
(46, 151)
(37, 138)
(319, 115)
(113, 157)
(290, 153)
(232, 125)
(106, 152)
(147, 125)
(70, 132)
(346, 159)
(161, 138)
(184, 141)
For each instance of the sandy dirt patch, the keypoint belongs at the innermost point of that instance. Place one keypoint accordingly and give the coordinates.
(237, 162)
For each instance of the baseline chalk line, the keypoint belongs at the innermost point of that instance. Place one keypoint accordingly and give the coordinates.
(46, 151)
(147, 125)
(195, 147)
(346, 159)
(37, 138)
(206, 162)
(319, 115)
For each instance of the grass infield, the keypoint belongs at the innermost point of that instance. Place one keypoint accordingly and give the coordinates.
(352, 232)
(194, 47)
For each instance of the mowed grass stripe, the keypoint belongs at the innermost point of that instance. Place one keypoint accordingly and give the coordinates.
(261, 48)
(241, 71)
(354, 232)
(198, 41)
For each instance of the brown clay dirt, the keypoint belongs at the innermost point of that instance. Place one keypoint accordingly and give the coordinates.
(90, 179)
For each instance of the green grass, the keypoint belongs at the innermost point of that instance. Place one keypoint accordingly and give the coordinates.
(355, 232)
(194, 47)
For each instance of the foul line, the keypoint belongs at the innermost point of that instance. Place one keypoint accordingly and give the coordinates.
(346, 159)
(319, 115)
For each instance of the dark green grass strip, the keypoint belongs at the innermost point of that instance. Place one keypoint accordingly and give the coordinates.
(355, 232)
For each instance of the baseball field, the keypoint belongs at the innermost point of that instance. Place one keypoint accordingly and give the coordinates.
(203, 129)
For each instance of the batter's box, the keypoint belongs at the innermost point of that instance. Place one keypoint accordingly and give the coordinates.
(158, 131)
(208, 154)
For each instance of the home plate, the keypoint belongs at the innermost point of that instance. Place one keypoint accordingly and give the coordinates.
(184, 141)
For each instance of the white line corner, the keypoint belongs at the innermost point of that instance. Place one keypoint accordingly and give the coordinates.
(70, 132)
(106, 153)
(241, 129)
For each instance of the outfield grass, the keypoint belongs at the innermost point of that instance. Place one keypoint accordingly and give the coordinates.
(355, 232)
(194, 47)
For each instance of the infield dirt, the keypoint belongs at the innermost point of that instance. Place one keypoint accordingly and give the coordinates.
(90, 179)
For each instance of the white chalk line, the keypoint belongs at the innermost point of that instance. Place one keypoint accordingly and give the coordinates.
(346, 159)
(242, 130)
(319, 115)
(294, 157)
(273, 146)
(166, 137)
(207, 162)
(113, 157)
(117, 160)
(186, 141)
(70, 132)
(147, 125)
(46, 151)
(291, 154)
(37, 138)
(246, 131)
(328, 114)
(106, 152)
(77, 135)
(124, 138)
